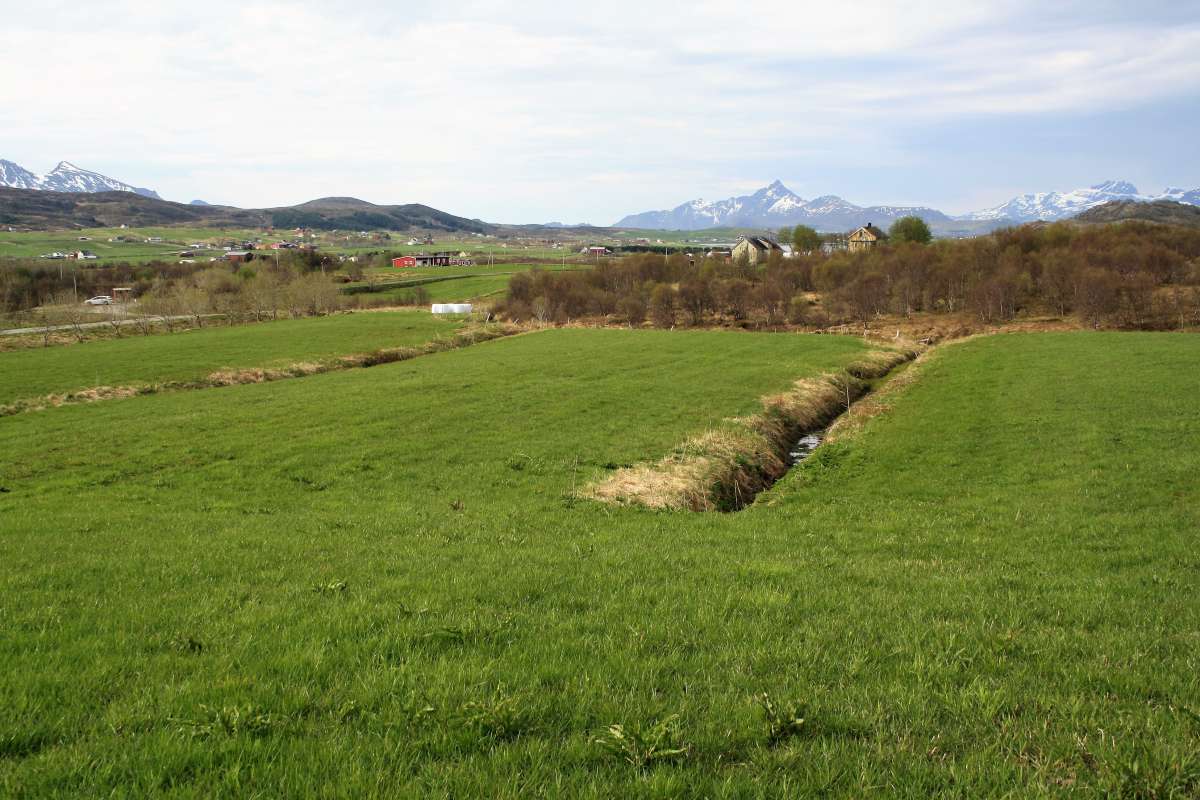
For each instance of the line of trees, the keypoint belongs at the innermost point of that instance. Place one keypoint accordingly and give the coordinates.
(173, 296)
(246, 295)
(1132, 275)
(28, 283)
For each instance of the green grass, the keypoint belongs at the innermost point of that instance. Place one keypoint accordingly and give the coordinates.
(389, 274)
(376, 583)
(31, 244)
(192, 354)
(456, 290)
(456, 284)
(509, 251)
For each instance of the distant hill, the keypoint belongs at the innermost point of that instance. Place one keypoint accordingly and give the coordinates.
(40, 209)
(352, 213)
(66, 177)
(1167, 212)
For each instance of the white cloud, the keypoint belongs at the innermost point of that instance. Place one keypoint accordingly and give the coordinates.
(541, 110)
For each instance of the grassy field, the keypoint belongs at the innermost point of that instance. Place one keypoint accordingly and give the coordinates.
(378, 582)
(455, 290)
(31, 244)
(408, 274)
(512, 247)
(192, 354)
(456, 284)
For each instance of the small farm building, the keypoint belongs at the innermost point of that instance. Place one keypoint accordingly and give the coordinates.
(404, 261)
(866, 237)
(434, 260)
(443, 259)
(755, 248)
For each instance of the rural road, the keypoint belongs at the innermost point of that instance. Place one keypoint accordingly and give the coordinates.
(87, 325)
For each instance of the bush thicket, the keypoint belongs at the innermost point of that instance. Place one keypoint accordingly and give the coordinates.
(1133, 275)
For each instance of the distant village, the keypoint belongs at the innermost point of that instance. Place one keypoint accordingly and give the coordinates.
(754, 248)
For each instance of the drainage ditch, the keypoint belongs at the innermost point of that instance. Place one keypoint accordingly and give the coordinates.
(725, 468)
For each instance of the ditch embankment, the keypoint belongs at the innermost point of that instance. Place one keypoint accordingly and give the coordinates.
(726, 468)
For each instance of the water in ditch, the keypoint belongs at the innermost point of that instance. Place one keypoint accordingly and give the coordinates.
(803, 447)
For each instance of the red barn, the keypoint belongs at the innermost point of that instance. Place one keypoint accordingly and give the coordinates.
(404, 261)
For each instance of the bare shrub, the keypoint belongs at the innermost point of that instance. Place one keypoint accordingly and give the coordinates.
(662, 306)
(633, 308)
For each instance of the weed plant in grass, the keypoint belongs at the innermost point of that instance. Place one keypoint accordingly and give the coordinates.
(193, 354)
(379, 583)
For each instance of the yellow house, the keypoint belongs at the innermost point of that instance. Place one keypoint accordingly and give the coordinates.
(866, 237)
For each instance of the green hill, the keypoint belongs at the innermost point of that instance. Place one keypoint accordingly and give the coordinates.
(26, 208)
(1165, 211)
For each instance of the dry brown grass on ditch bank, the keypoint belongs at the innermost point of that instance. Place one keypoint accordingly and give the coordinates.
(910, 331)
(881, 398)
(234, 377)
(724, 469)
(928, 328)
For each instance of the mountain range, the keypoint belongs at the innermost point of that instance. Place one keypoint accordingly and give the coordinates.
(773, 206)
(66, 177)
(1050, 206)
(776, 205)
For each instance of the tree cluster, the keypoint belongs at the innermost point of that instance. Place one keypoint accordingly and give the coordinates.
(29, 283)
(249, 294)
(1132, 275)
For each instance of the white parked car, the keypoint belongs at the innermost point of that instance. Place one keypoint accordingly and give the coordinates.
(99, 300)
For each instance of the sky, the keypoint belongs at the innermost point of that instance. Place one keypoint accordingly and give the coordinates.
(545, 111)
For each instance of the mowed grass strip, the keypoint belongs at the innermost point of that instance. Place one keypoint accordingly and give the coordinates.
(989, 590)
(465, 289)
(455, 290)
(193, 354)
(473, 283)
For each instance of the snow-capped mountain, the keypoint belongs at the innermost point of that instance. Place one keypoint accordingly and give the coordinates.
(17, 176)
(1191, 197)
(66, 177)
(773, 206)
(1050, 206)
(776, 205)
